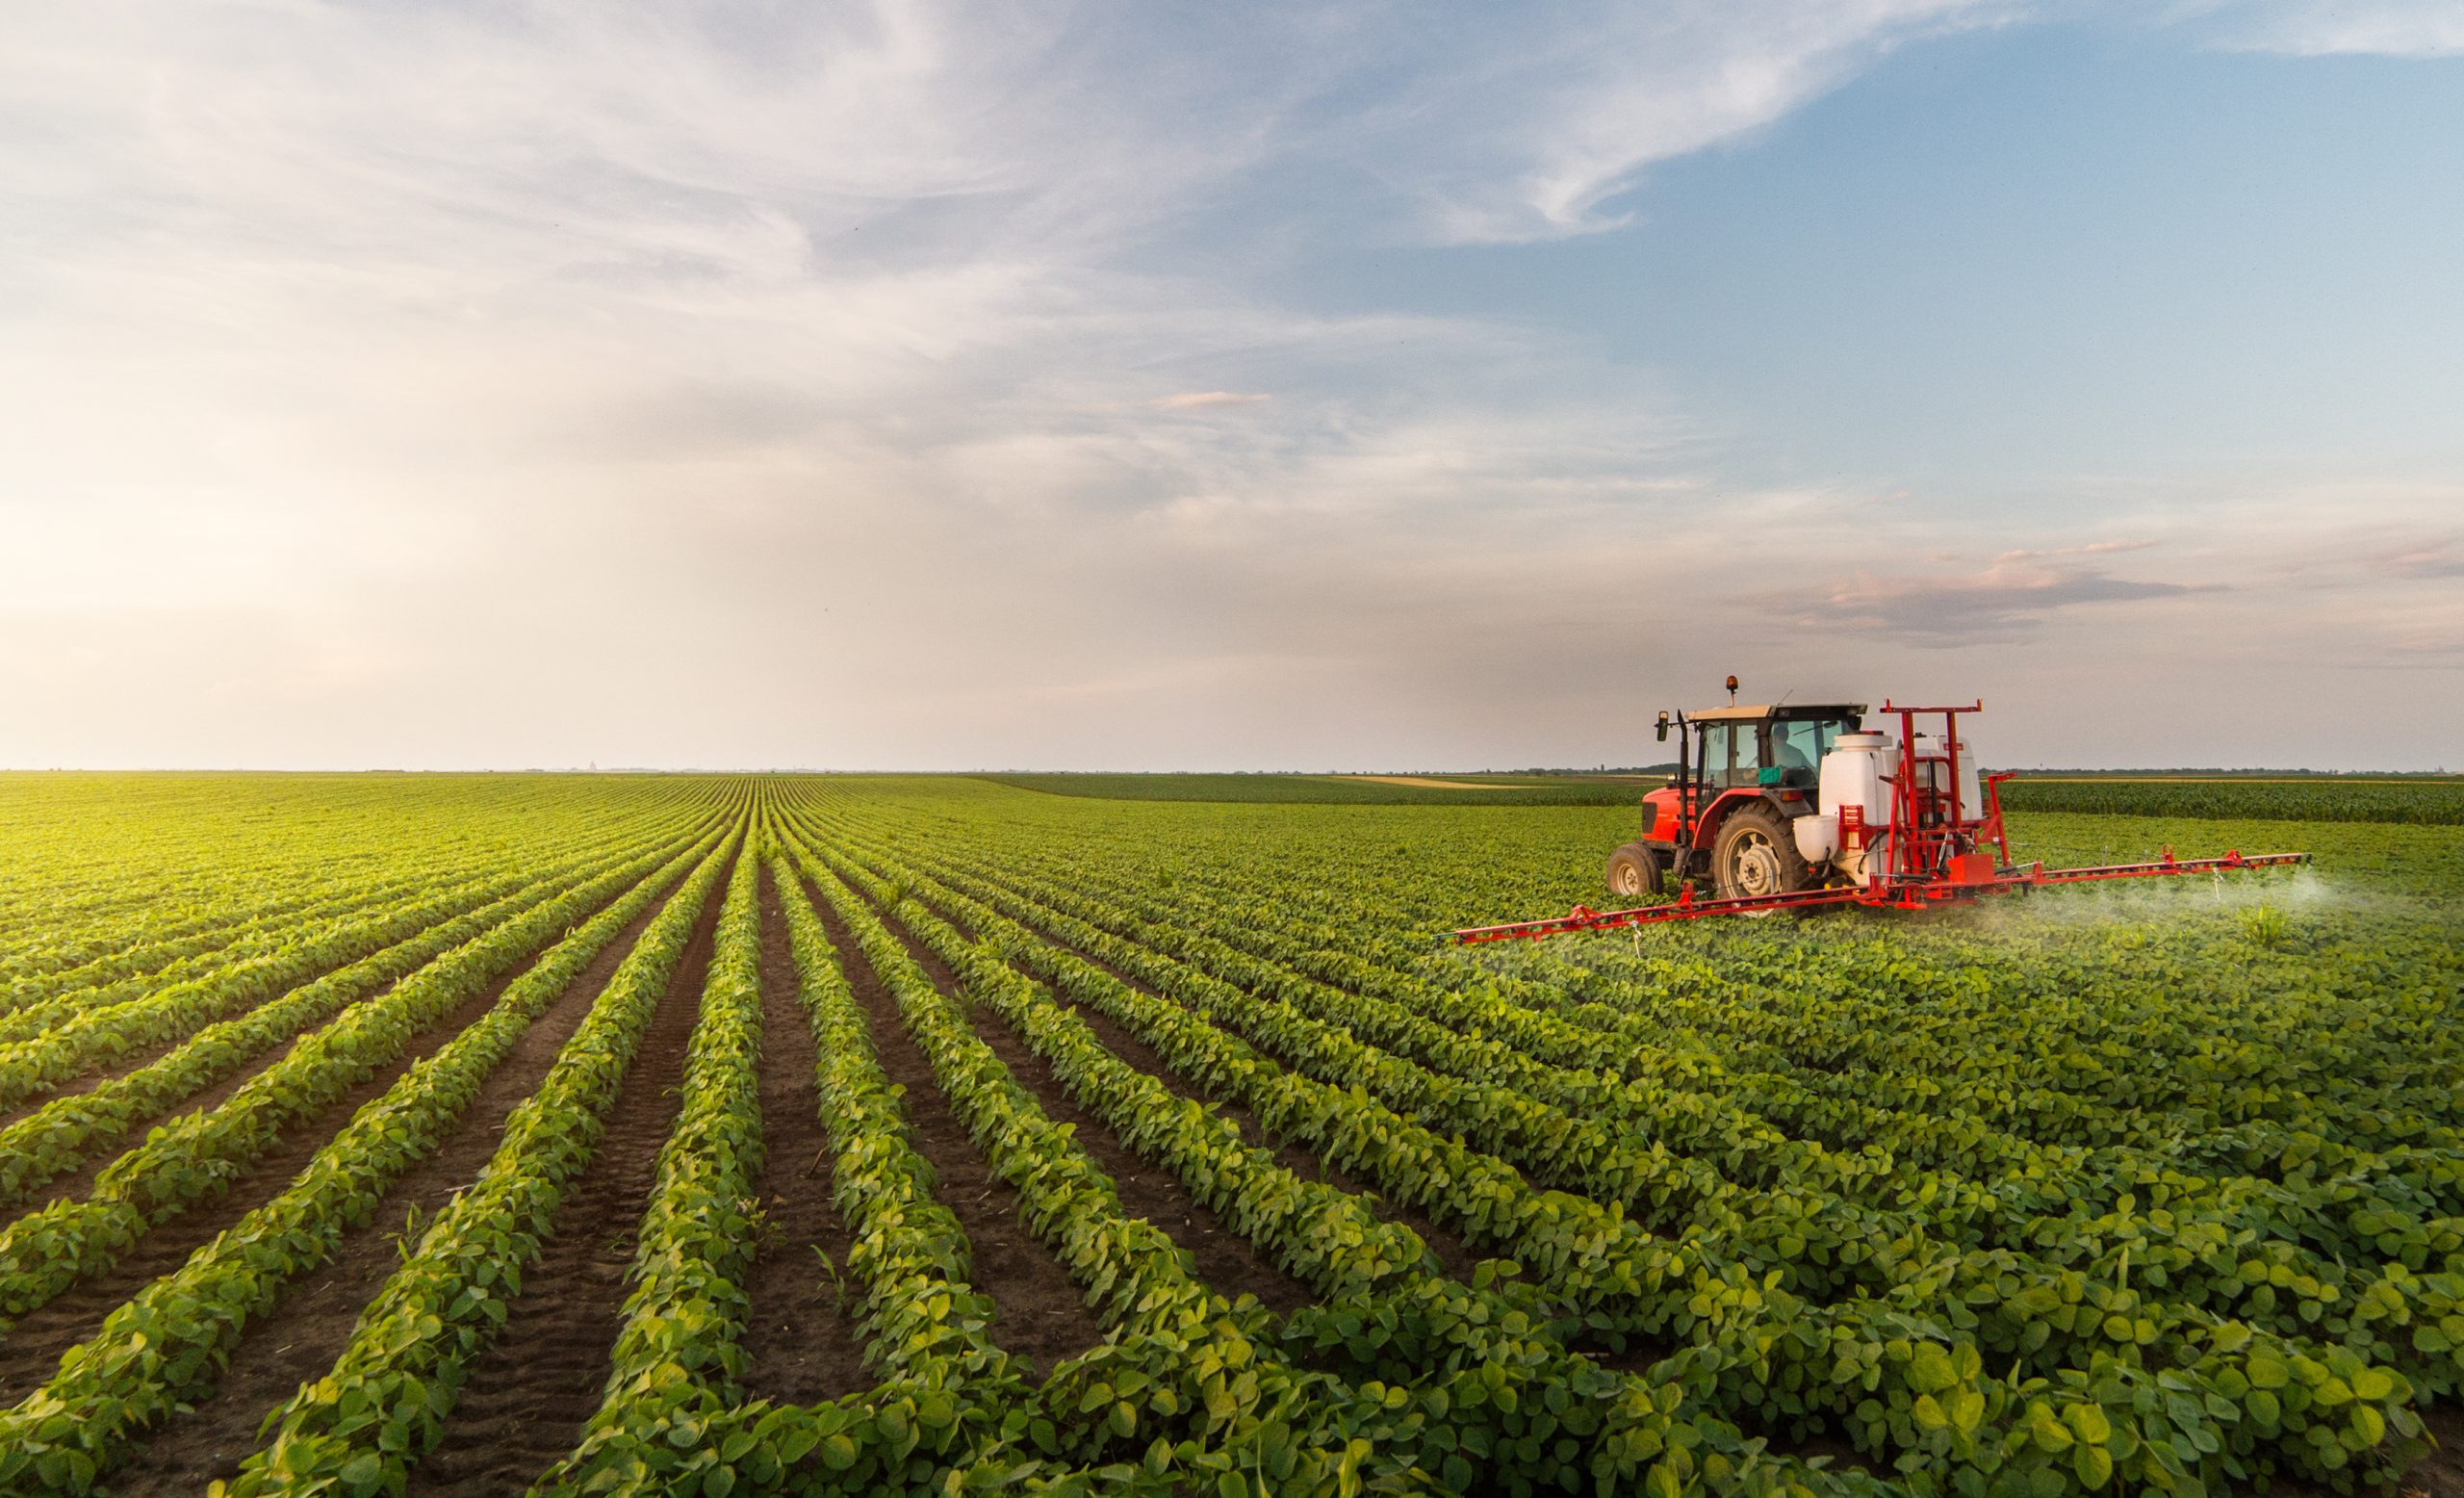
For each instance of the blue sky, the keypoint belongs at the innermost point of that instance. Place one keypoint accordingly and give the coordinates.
(1337, 385)
(2049, 247)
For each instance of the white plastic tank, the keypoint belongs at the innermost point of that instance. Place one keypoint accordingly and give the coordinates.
(1971, 788)
(1852, 775)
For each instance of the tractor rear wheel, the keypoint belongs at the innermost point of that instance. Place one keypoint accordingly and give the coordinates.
(1757, 854)
(1634, 870)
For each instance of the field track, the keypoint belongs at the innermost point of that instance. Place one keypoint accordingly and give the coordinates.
(472, 1135)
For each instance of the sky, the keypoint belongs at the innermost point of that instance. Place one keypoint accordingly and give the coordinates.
(1181, 386)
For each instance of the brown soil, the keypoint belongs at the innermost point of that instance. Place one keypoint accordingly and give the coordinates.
(123, 1064)
(529, 1395)
(300, 1338)
(145, 1056)
(1453, 1253)
(78, 1182)
(800, 1338)
(2437, 1474)
(1457, 1257)
(34, 1342)
(1041, 1316)
(2441, 1473)
(1227, 1262)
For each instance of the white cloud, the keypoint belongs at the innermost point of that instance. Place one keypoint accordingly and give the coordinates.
(441, 384)
(1199, 400)
(2345, 28)
(1563, 123)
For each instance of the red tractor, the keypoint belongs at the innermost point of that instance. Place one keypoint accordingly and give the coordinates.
(1726, 821)
(1791, 806)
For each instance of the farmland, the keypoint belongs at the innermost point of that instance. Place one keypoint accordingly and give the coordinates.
(856, 1134)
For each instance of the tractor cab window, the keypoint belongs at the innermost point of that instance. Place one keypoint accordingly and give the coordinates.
(1799, 745)
(1731, 756)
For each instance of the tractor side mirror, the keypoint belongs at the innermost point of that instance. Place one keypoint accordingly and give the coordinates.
(1663, 728)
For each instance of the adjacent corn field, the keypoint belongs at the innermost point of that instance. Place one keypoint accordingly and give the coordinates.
(719, 1135)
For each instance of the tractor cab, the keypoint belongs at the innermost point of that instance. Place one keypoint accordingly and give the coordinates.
(1745, 773)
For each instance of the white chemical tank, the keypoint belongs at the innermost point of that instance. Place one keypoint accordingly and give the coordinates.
(1971, 788)
(1852, 775)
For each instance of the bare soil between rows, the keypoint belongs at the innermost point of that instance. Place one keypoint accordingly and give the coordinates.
(35, 1343)
(1453, 1253)
(309, 1330)
(1224, 1260)
(799, 1337)
(1042, 1315)
(137, 1059)
(1456, 1256)
(531, 1393)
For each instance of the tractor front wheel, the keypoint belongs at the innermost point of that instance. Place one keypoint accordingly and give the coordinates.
(1635, 871)
(1757, 854)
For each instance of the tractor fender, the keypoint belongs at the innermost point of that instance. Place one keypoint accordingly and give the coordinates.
(1708, 830)
(1780, 802)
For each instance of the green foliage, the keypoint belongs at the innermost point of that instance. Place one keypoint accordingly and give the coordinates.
(2421, 802)
(2144, 1190)
(1460, 790)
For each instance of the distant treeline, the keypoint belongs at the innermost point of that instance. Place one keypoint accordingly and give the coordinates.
(2211, 773)
(2310, 799)
(1337, 789)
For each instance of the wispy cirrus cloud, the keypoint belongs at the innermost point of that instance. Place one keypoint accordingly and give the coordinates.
(835, 334)
(2342, 28)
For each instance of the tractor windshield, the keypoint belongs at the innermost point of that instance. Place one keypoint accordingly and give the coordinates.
(1771, 752)
(1798, 745)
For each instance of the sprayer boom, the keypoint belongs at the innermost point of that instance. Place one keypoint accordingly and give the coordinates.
(1894, 895)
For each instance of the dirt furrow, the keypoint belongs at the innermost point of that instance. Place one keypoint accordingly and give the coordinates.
(1457, 1257)
(799, 1337)
(1043, 1316)
(143, 1056)
(1225, 1260)
(32, 1351)
(532, 1391)
(303, 1335)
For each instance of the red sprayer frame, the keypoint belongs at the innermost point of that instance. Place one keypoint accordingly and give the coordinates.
(1935, 853)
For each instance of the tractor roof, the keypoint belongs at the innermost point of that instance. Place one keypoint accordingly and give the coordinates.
(1742, 713)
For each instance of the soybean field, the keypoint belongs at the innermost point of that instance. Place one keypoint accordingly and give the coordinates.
(581, 1134)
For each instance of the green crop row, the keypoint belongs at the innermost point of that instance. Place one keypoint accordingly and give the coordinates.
(1477, 1367)
(195, 1157)
(61, 1134)
(33, 1005)
(1183, 1363)
(2412, 1184)
(383, 1405)
(678, 1358)
(2237, 1251)
(1484, 1110)
(163, 1348)
(94, 1037)
(101, 864)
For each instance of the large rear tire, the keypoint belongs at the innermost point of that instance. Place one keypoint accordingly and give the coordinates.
(1635, 871)
(1757, 854)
